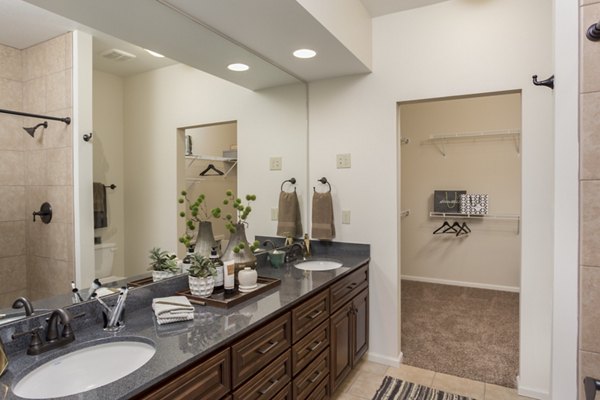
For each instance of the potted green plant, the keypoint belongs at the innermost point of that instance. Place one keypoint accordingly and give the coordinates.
(238, 248)
(201, 275)
(198, 236)
(163, 264)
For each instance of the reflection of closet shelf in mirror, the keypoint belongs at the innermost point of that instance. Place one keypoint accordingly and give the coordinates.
(441, 140)
(481, 216)
(230, 162)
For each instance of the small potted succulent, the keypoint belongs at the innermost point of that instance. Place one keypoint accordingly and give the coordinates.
(201, 275)
(163, 264)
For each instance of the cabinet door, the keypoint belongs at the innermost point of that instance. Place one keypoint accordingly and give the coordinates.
(340, 345)
(360, 317)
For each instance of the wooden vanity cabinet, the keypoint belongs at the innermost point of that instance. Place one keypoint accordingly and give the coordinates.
(301, 354)
(349, 325)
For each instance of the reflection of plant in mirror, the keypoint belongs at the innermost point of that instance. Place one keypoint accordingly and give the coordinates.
(162, 260)
(201, 267)
(242, 211)
(198, 212)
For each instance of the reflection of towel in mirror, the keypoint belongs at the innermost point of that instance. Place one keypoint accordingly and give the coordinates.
(172, 309)
(100, 217)
(322, 216)
(289, 223)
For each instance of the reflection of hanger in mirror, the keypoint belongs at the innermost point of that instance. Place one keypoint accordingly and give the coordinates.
(444, 225)
(463, 230)
(213, 168)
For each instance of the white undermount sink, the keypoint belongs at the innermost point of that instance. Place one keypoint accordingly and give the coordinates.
(84, 369)
(318, 265)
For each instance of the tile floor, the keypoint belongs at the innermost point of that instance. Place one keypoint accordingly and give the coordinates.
(366, 378)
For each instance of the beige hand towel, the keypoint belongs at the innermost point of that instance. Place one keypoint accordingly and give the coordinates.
(100, 211)
(289, 223)
(323, 227)
(172, 307)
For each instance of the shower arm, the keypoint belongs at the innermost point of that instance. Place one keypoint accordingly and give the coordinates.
(66, 120)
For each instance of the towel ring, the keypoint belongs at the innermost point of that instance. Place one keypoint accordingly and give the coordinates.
(291, 180)
(324, 181)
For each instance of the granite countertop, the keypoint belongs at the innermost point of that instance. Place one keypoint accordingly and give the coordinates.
(180, 344)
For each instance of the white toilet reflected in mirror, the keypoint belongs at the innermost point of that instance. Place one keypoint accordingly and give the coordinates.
(104, 257)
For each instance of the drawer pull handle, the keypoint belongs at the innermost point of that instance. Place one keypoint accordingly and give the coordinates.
(271, 386)
(315, 346)
(268, 348)
(314, 379)
(352, 286)
(315, 314)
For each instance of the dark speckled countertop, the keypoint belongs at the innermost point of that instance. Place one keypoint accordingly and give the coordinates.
(180, 344)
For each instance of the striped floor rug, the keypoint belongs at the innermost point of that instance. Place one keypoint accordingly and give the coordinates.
(396, 389)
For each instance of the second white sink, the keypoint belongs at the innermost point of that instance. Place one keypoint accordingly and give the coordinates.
(318, 265)
(84, 369)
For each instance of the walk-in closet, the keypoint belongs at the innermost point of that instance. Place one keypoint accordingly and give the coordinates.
(460, 236)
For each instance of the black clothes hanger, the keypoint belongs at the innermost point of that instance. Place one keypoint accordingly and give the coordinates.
(452, 229)
(463, 230)
(445, 225)
(211, 167)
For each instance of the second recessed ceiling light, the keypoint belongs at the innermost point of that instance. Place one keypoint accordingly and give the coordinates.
(238, 67)
(305, 53)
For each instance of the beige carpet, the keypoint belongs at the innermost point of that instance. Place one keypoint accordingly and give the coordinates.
(467, 332)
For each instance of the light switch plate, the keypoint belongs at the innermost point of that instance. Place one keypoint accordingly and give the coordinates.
(274, 214)
(345, 216)
(343, 160)
(275, 164)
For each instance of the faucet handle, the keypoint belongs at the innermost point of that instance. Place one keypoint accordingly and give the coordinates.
(36, 339)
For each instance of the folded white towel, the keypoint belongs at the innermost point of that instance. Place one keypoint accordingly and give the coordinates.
(173, 309)
(183, 317)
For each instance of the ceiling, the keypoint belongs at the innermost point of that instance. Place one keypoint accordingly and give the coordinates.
(204, 34)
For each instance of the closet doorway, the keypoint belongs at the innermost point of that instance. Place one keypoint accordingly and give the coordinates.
(210, 167)
(460, 255)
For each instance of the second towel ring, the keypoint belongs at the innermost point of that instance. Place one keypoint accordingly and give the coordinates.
(324, 181)
(291, 180)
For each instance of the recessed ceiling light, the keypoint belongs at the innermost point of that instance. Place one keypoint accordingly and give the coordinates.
(155, 54)
(305, 53)
(238, 67)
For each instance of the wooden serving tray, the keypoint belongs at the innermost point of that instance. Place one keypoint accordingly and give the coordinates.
(140, 282)
(219, 299)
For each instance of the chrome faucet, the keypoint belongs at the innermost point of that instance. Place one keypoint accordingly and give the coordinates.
(295, 251)
(37, 345)
(113, 317)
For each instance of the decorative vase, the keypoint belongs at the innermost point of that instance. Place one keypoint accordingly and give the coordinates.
(247, 277)
(160, 275)
(201, 286)
(245, 258)
(206, 239)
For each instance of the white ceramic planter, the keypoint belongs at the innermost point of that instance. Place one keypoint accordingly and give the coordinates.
(160, 275)
(201, 286)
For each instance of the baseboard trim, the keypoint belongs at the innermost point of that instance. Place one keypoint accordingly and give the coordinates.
(385, 360)
(514, 289)
(528, 392)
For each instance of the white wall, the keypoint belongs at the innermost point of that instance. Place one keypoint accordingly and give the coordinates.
(108, 159)
(490, 256)
(448, 49)
(269, 123)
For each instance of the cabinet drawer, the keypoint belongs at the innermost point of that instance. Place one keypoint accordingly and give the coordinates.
(208, 380)
(348, 287)
(307, 381)
(285, 394)
(309, 315)
(321, 392)
(269, 382)
(309, 347)
(254, 352)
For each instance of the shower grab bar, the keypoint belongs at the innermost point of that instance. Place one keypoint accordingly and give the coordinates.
(66, 120)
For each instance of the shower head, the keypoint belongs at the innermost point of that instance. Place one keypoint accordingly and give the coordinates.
(31, 131)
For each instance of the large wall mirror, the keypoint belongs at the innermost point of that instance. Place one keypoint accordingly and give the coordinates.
(138, 118)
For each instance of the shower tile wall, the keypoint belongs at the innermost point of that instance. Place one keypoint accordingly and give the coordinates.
(589, 174)
(36, 259)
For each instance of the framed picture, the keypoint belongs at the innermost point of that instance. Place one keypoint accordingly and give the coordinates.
(447, 201)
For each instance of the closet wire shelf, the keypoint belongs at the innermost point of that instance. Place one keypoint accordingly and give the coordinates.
(441, 140)
(193, 158)
(511, 217)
